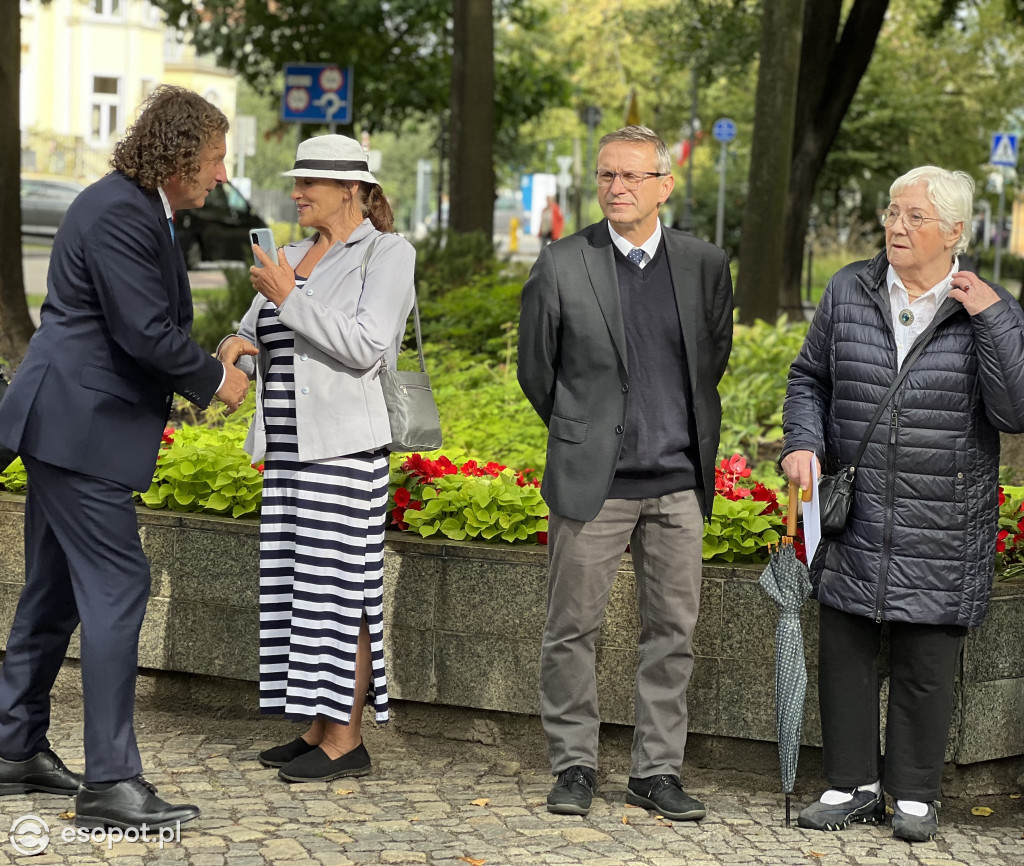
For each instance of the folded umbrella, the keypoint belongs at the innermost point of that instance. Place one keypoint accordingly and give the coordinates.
(787, 582)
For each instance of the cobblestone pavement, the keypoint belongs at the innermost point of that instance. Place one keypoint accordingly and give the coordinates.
(436, 801)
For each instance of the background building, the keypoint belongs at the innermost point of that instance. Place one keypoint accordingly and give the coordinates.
(86, 67)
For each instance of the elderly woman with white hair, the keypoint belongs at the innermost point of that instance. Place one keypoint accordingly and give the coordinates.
(915, 559)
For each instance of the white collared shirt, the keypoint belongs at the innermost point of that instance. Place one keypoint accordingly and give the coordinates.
(167, 205)
(649, 246)
(922, 311)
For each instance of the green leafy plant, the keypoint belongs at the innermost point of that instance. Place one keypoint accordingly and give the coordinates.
(14, 479)
(202, 469)
(489, 502)
(746, 517)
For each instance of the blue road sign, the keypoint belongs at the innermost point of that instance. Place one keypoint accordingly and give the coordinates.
(317, 93)
(1004, 149)
(724, 130)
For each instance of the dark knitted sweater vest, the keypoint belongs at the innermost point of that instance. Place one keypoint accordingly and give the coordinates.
(659, 442)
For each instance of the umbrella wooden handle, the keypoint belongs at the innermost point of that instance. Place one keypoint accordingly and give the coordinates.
(794, 499)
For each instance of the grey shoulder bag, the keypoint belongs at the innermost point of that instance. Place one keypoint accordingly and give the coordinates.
(835, 492)
(412, 412)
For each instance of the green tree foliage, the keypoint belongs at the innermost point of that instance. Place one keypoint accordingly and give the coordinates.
(400, 52)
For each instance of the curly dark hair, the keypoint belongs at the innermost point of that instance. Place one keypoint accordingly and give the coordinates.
(168, 138)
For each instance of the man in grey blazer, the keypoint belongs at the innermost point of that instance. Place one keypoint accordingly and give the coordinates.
(625, 332)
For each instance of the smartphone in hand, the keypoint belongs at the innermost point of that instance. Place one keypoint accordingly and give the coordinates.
(264, 239)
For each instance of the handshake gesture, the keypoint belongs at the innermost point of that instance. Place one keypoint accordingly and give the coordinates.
(236, 382)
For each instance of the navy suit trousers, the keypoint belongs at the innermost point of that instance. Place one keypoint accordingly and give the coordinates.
(83, 564)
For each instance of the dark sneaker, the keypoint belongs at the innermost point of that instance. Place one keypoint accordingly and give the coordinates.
(278, 756)
(573, 792)
(914, 828)
(317, 766)
(665, 795)
(866, 807)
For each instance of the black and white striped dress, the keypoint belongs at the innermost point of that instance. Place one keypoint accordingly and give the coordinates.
(321, 558)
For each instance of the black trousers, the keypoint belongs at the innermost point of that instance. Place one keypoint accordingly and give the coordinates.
(83, 564)
(924, 661)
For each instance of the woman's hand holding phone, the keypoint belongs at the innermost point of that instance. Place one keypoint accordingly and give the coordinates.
(272, 280)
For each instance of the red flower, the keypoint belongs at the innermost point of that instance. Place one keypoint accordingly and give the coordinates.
(1002, 498)
(542, 538)
(415, 506)
(168, 436)
(402, 497)
(494, 469)
(258, 467)
(1001, 540)
(469, 468)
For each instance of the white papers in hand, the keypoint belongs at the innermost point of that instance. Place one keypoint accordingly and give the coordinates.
(812, 515)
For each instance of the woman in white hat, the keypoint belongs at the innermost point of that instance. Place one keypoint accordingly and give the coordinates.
(325, 319)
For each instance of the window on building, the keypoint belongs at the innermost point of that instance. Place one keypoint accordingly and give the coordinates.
(106, 107)
(108, 8)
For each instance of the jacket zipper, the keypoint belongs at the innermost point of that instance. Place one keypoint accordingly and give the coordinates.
(890, 496)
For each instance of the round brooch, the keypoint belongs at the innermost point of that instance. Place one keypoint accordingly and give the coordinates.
(906, 317)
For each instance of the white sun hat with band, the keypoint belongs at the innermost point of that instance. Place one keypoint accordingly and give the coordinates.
(333, 156)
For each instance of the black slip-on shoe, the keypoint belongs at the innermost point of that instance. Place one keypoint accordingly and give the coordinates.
(573, 792)
(665, 795)
(43, 772)
(130, 803)
(316, 766)
(866, 807)
(914, 828)
(278, 756)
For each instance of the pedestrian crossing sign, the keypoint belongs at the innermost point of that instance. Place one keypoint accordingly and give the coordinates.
(1004, 149)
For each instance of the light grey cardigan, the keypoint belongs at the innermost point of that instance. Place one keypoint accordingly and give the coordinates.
(343, 328)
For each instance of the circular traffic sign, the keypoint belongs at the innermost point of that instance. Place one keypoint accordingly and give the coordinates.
(331, 79)
(297, 99)
(724, 129)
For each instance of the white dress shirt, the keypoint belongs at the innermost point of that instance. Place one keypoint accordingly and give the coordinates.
(922, 310)
(649, 246)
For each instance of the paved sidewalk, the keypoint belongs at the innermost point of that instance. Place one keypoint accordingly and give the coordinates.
(437, 801)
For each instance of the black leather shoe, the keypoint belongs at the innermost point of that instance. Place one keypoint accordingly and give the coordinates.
(573, 792)
(317, 766)
(665, 795)
(278, 756)
(129, 803)
(42, 772)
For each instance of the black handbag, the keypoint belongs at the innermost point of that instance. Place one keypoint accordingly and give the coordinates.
(7, 456)
(835, 492)
(412, 412)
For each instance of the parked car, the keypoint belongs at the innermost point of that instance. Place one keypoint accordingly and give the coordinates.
(44, 200)
(219, 230)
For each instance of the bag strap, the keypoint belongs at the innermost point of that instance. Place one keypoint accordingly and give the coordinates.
(415, 307)
(907, 363)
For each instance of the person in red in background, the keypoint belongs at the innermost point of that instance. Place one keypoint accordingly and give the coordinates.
(551, 222)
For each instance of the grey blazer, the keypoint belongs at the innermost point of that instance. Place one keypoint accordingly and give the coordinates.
(573, 361)
(343, 328)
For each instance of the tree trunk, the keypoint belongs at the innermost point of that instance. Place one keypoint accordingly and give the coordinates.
(822, 103)
(472, 111)
(774, 117)
(15, 323)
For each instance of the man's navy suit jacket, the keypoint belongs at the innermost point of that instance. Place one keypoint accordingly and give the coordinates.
(94, 391)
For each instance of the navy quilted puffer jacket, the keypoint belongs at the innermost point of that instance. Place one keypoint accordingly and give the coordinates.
(919, 545)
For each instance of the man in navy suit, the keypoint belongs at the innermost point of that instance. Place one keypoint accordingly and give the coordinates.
(86, 411)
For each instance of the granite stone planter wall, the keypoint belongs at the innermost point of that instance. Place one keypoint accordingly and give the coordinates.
(463, 626)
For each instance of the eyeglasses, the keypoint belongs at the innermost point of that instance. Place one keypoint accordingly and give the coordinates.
(631, 180)
(911, 221)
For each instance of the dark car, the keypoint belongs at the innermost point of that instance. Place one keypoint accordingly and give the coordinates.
(219, 230)
(43, 203)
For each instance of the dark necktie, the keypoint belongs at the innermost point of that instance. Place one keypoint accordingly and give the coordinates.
(636, 256)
